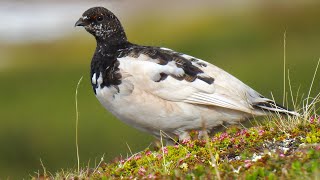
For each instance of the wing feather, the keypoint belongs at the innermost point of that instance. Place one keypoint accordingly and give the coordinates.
(217, 100)
(225, 91)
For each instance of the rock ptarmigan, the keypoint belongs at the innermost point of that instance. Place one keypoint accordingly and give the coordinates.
(158, 89)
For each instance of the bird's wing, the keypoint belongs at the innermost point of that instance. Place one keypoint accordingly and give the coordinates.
(178, 77)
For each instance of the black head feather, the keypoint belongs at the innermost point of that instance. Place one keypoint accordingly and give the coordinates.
(103, 25)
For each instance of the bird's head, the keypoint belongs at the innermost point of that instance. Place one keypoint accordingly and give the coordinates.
(103, 25)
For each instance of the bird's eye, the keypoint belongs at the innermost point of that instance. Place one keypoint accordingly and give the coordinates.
(100, 18)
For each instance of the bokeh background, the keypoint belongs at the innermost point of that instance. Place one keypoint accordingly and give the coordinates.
(42, 57)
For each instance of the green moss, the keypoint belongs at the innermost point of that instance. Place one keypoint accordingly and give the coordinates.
(262, 152)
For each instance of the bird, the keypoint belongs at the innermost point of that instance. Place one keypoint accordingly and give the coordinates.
(157, 89)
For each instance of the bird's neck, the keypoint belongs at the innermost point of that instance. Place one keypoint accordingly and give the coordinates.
(106, 53)
(113, 40)
(109, 49)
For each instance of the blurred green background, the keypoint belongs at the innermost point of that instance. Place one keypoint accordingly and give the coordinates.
(42, 57)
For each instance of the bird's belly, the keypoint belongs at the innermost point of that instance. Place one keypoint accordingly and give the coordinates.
(149, 113)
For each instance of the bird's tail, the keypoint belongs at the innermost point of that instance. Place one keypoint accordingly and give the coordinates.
(273, 107)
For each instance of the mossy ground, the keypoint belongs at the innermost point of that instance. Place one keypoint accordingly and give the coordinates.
(262, 152)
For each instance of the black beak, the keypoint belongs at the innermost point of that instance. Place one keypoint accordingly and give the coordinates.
(81, 22)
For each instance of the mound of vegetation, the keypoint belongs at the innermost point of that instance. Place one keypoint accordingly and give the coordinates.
(277, 150)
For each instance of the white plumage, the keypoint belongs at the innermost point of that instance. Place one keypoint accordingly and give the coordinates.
(176, 106)
(157, 89)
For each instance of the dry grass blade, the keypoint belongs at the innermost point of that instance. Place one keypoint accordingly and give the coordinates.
(101, 160)
(284, 66)
(163, 154)
(310, 89)
(77, 123)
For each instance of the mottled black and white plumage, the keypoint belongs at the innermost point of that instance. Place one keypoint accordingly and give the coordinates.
(154, 88)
